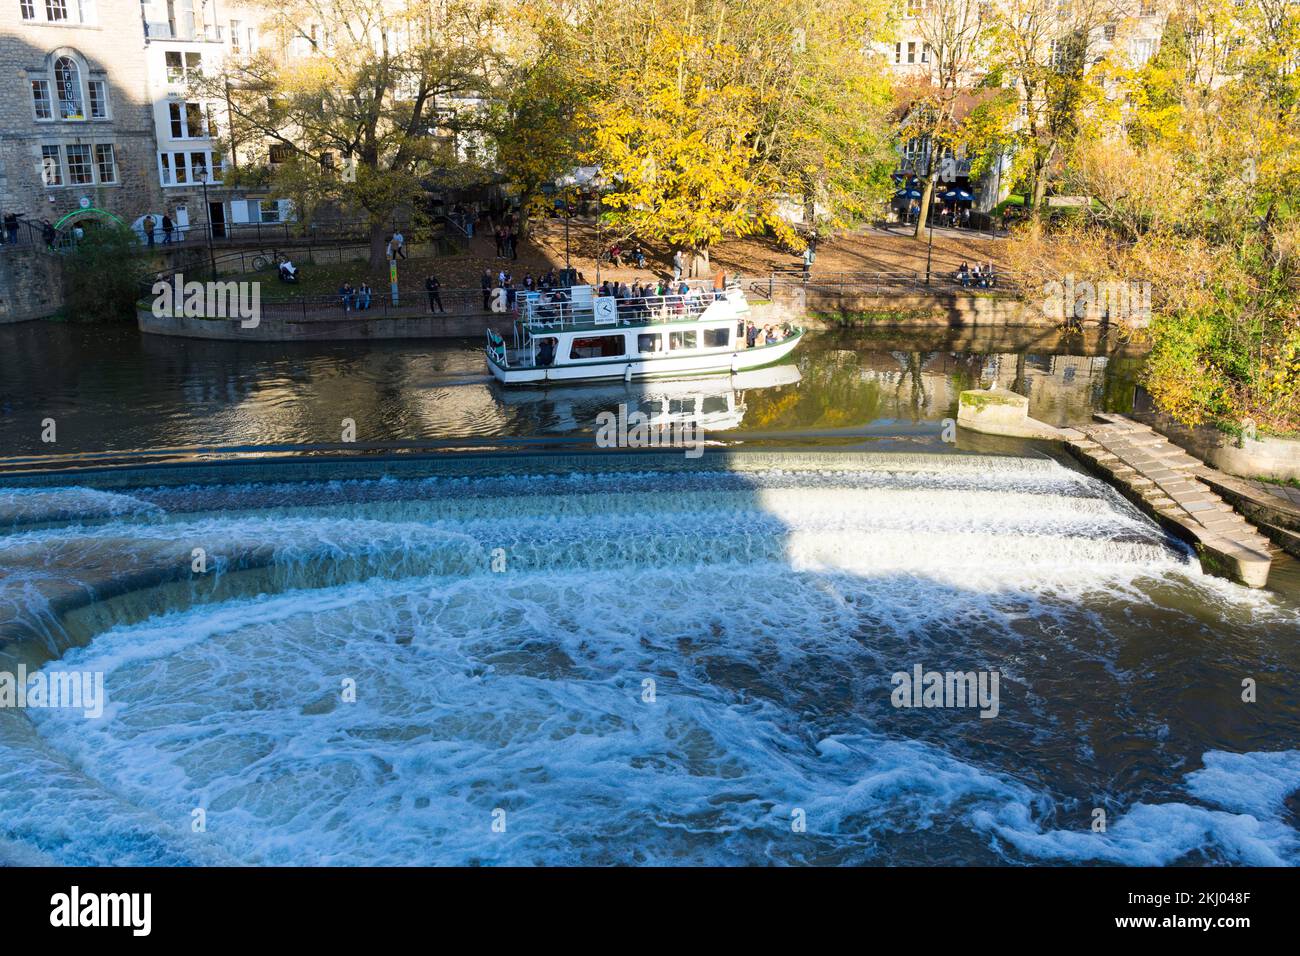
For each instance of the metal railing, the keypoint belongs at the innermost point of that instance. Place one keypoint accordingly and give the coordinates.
(543, 311)
(879, 283)
(288, 233)
(411, 303)
(26, 233)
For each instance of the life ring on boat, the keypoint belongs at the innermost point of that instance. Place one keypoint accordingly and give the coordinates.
(497, 346)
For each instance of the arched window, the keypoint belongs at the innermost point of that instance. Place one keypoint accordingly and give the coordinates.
(67, 88)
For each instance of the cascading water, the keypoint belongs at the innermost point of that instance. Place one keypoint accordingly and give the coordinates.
(662, 666)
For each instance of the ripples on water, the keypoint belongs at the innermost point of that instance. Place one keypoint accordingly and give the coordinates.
(769, 608)
(113, 389)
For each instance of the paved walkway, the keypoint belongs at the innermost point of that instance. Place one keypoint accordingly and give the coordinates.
(1286, 492)
(1163, 477)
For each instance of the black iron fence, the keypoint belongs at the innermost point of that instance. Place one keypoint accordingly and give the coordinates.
(24, 232)
(409, 303)
(785, 282)
(296, 233)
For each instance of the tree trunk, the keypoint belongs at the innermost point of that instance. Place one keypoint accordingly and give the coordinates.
(378, 245)
(1038, 189)
(700, 255)
(923, 216)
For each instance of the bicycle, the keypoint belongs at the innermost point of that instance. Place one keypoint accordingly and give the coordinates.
(267, 260)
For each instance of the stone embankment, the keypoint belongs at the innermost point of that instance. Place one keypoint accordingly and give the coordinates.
(1189, 499)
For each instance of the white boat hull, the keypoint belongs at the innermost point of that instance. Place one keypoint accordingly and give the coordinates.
(648, 367)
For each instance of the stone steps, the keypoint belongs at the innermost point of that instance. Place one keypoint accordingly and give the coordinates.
(1163, 480)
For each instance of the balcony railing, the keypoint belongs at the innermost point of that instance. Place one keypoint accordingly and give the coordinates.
(162, 30)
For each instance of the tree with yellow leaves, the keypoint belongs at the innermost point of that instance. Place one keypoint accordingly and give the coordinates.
(359, 99)
(711, 118)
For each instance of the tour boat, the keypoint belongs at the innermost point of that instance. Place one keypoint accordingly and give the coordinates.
(588, 337)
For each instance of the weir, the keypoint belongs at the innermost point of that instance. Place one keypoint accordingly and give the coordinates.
(499, 618)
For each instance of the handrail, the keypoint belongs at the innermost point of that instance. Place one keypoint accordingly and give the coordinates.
(544, 314)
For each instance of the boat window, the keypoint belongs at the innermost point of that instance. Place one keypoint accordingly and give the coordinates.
(681, 340)
(682, 406)
(597, 346)
(651, 408)
(649, 343)
(546, 349)
(713, 404)
(717, 338)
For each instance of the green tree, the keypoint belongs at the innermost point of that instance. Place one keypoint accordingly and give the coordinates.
(103, 275)
(363, 102)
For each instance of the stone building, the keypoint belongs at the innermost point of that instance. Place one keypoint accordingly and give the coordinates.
(927, 32)
(76, 126)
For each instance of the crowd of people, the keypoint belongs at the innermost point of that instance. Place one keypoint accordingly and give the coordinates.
(547, 283)
(980, 277)
(757, 336)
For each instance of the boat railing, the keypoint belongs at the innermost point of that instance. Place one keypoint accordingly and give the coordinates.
(541, 313)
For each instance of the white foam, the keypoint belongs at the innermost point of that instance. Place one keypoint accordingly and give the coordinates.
(769, 616)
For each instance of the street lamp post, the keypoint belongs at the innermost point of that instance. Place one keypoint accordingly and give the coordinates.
(566, 183)
(929, 245)
(207, 215)
(598, 183)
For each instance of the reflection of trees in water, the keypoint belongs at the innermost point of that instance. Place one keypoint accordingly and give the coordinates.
(833, 393)
(911, 365)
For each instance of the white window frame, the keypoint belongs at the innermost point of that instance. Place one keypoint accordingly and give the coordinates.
(83, 152)
(78, 90)
(45, 166)
(172, 162)
(181, 108)
(106, 111)
(180, 76)
(49, 100)
(112, 164)
(75, 12)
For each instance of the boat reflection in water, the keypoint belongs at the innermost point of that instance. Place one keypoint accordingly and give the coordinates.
(712, 403)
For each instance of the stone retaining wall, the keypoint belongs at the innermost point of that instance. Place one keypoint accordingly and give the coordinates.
(273, 328)
(31, 284)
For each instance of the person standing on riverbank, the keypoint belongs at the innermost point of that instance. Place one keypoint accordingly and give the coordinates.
(168, 226)
(434, 288)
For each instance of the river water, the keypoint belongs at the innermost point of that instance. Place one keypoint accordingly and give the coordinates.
(116, 390)
(527, 659)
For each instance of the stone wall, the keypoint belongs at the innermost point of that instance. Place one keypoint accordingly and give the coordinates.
(273, 328)
(108, 50)
(883, 308)
(31, 284)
